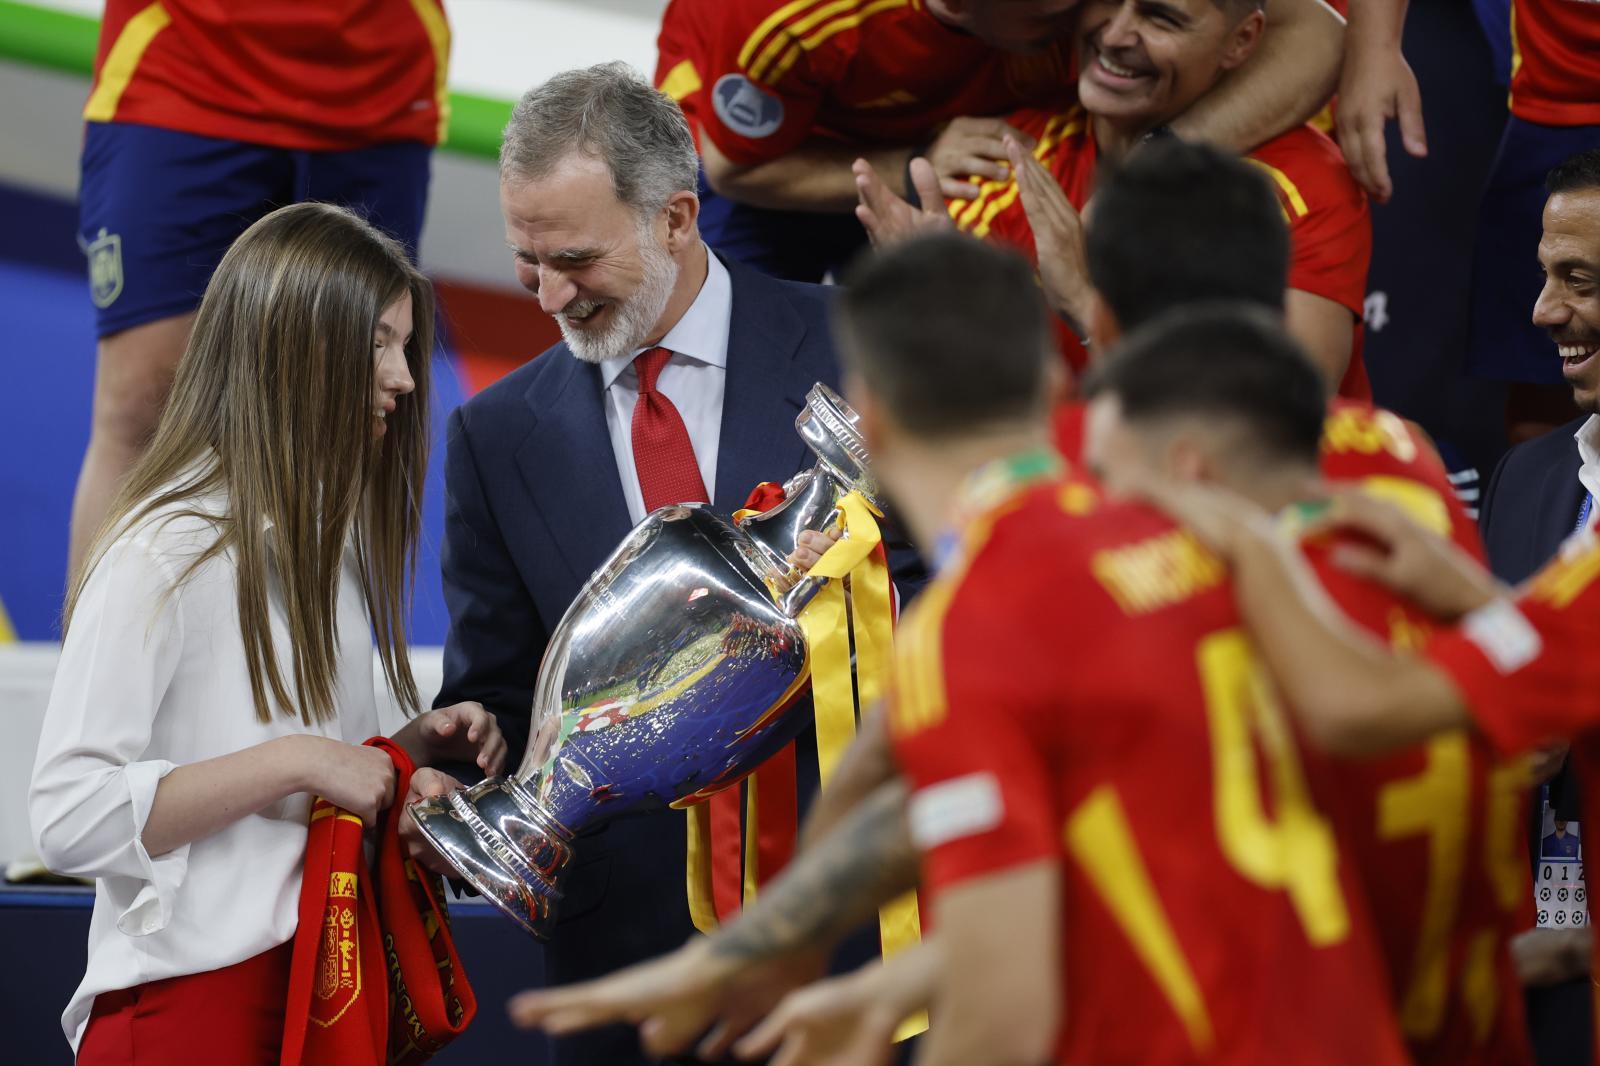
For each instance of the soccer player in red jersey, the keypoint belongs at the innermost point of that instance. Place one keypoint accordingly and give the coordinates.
(1117, 816)
(1435, 831)
(785, 95)
(1142, 65)
(203, 117)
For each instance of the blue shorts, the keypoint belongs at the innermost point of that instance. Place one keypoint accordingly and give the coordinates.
(796, 245)
(157, 208)
(1503, 344)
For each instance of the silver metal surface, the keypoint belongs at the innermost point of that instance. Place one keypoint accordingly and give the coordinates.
(668, 679)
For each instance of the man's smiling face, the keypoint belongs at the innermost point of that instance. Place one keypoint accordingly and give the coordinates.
(1569, 305)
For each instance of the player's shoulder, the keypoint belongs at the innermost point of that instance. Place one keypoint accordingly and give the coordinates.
(764, 39)
(1308, 172)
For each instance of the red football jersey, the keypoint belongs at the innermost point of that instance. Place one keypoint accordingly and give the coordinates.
(1392, 458)
(760, 76)
(1330, 230)
(1102, 709)
(1555, 62)
(1437, 835)
(1361, 444)
(1526, 667)
(329, 75)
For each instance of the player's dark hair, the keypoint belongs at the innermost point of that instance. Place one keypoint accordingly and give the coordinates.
(1225, 362)
(1575, 173)
(1179, 223)
(948, 332)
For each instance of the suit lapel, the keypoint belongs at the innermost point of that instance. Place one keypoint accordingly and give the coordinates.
(764, 389)
(1560, 498)
(569, 468)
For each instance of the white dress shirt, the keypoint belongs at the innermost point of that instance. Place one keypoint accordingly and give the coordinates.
(1588, 437)
(152, 676)
(693, 380)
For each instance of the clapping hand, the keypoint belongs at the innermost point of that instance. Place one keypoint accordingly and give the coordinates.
(888, 217)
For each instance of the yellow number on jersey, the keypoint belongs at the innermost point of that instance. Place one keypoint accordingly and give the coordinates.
(1432, 803)
(1295, 851)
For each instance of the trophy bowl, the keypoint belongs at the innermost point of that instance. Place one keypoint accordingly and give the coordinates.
(668, 679)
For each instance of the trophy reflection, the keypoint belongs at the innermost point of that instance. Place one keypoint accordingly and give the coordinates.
(668, 679)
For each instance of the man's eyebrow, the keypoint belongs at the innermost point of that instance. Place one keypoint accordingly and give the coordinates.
(1156, 7)
(1570, 263)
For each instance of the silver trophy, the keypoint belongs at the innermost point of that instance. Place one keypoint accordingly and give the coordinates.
(668, 679)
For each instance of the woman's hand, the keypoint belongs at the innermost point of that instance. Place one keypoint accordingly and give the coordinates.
(465, 732)
(353, 776)
(425, 784)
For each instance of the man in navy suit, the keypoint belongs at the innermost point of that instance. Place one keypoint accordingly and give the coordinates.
(678, 379)
(1544, 490)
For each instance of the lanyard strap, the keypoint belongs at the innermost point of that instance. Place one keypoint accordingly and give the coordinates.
(1583, 512)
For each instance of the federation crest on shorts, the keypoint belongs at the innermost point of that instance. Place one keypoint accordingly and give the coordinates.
(745, 109)
(105, 268)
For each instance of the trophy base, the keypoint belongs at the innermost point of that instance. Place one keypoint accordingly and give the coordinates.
(499, 839)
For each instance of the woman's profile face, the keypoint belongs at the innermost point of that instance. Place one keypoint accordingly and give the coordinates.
(392, 379)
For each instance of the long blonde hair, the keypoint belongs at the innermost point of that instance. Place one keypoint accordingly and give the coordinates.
(272, 405)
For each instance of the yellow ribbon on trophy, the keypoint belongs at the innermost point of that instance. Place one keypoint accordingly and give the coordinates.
(828, 621)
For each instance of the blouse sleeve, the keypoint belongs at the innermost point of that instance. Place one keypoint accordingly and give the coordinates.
(93, 784)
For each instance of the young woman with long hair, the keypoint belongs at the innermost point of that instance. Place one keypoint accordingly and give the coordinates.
(216, 665)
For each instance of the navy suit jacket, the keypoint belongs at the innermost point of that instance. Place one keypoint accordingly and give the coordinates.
(1530, 507)
(533, 505)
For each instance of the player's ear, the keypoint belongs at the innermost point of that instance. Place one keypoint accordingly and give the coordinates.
(1243, 39)
(683, 212)
(1186, 462)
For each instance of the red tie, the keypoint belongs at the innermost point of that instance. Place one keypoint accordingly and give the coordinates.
(662, 452)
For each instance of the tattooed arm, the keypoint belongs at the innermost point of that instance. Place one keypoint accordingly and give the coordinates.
(727, 982)
(835, 885)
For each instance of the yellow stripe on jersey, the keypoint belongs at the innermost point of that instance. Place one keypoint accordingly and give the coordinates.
(681, 81)
(1516, 67)
(8, 634)
(438, 31)
(1290, 191)
(789, 37)
(1045, 147)
(1100, 839)
(1564, 580)
(123, 60)
(919, 700)
(965, 213)
(770, 23)
(839, 25)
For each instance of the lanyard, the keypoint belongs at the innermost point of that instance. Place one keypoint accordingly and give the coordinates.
(1583, 512)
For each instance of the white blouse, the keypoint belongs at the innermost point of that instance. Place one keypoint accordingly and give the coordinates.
(152, 676)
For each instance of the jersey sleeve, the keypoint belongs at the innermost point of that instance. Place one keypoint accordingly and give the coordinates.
(1330, 226)
(1526, 667)
(970, 738)
(762, 84)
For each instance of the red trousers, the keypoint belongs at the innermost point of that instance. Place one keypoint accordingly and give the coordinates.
(227, 1017)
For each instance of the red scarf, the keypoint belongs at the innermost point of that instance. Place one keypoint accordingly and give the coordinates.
(375, 980)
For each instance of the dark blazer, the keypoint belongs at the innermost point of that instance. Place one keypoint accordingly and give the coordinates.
(1530, 507)
(1532, 503)
(533, 505)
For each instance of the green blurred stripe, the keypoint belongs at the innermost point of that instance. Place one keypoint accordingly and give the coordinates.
(66, 42)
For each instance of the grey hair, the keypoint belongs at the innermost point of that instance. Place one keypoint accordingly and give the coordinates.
(607, 111)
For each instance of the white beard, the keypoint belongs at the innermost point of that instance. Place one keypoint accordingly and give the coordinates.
(633, 319)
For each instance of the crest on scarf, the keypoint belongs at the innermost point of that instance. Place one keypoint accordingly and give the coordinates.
(338, 980)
